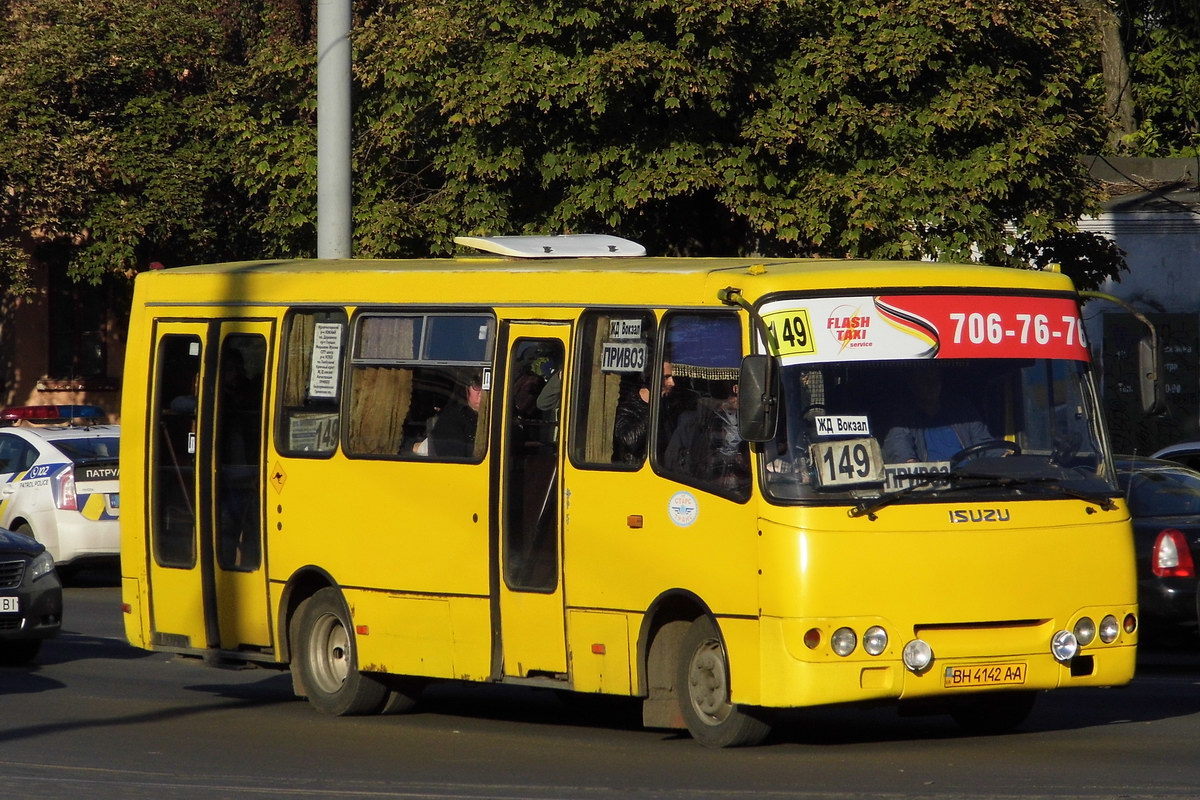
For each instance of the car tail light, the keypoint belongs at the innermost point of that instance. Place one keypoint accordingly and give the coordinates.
(63, 484)
(1172, 558)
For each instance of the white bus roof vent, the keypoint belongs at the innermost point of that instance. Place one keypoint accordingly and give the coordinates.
(577, 245)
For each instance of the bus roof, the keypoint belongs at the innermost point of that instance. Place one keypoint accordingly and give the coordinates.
(492, 280)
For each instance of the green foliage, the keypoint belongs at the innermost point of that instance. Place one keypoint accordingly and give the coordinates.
(1163, 42)
(879, 128)
(138, 131)
(106, 136)
(267, 118)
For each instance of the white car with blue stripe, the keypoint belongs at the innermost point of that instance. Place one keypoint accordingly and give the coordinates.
(59, 485)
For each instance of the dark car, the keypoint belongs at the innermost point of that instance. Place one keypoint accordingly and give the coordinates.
(1164, 500)
(30, 598)
(1186, 453)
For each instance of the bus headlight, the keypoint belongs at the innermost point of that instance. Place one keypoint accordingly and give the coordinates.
(843, 641)
(918, 655)
(1064, 646)
(1085, 631)
(1109, 630)
(875, 640)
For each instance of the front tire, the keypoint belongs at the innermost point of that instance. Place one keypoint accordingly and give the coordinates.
(327, 659)
(702, 684)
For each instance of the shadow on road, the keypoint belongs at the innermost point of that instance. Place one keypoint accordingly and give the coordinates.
(91, 574)
(1149, 698)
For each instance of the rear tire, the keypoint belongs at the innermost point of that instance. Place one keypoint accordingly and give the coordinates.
(702, 684)
(327, 659)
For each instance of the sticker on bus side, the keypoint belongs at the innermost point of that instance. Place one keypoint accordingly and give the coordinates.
(683, 509)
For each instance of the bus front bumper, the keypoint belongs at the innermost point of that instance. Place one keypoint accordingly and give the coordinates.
(793, 674)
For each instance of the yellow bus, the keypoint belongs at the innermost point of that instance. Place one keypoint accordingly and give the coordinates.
(727, 486)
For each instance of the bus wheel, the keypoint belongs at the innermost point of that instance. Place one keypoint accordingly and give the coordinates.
(702, 684)
(327, 660)
(993, 712)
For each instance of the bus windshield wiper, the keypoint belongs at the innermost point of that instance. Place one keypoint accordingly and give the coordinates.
(919, 481)
(1056, 484)
(970, 480)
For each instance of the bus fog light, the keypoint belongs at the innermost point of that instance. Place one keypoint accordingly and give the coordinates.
(843, 641)
(1109, 630)
(875, 640)
(1085, 631)
(1064, 646)
(918, 655)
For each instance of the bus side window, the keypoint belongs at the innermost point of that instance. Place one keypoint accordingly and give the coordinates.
(617, 381)
(313, 348)
(410, 370)
(697, 438)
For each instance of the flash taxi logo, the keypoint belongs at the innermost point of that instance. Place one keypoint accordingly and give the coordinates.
(848, 327)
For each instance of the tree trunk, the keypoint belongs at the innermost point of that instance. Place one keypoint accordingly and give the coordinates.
(1118, 95)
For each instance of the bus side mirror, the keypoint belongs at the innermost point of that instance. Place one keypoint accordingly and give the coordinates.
(758, 398)
(1150, 385)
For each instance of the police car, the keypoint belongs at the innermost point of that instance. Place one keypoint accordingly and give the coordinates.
(58, 482)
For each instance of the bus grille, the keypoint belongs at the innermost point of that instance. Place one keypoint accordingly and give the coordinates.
(11, 573)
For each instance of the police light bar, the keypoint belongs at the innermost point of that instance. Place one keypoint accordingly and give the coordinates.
(49, 413)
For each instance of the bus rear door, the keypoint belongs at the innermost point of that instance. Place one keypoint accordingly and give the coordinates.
(205, 511)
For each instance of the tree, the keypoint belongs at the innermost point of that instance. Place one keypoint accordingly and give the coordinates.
(880, 128)
(107, 147)
(1162, 38)
(140, 131)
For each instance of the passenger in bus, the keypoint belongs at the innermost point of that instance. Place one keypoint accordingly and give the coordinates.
(453, 433)
(529, 387)
(633, 417)
(934, 427)
(707, 444)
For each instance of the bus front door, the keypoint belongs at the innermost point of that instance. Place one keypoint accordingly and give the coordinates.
(206, 568)
(533, 638)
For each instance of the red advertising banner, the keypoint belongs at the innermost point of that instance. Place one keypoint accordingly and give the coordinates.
(989, 326)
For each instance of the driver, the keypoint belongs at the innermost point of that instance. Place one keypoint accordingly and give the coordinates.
(936, 427)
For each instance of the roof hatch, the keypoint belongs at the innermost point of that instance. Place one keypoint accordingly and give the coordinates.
(579, 245)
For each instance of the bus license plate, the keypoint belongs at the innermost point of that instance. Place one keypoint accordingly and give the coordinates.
(968, 675)
(10, 605)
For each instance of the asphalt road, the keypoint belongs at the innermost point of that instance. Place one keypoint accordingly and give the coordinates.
(97, 719)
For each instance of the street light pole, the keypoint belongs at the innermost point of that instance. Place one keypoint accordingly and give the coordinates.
(334, 222)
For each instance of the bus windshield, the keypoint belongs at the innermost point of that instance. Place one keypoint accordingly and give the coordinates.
(961, 408)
